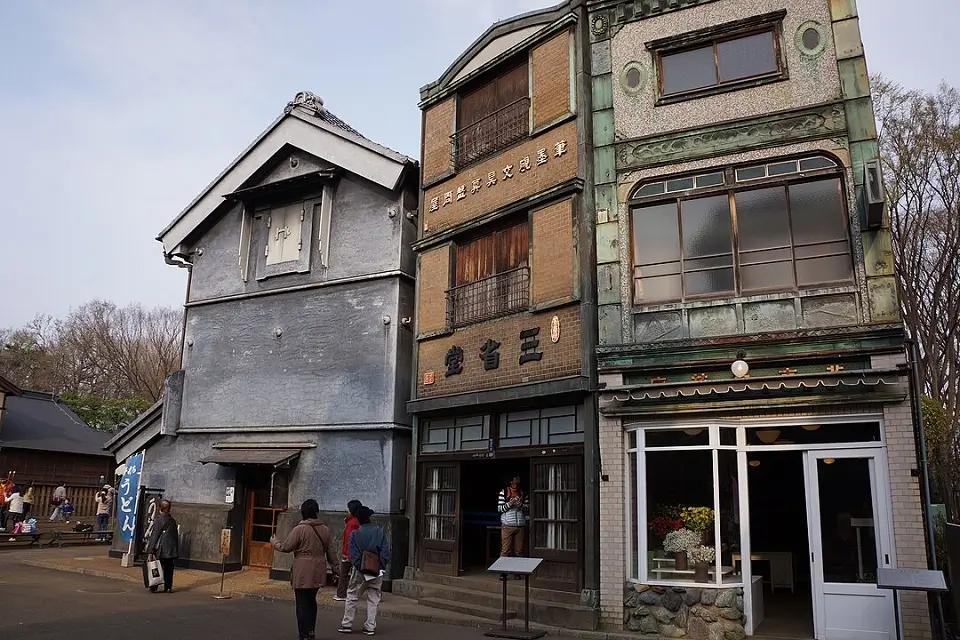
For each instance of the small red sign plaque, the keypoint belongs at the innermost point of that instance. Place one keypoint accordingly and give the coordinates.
(429, 377)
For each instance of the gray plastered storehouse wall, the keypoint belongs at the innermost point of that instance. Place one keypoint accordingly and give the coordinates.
(311, 354)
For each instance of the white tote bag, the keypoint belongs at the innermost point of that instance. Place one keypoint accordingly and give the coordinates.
(154, 573)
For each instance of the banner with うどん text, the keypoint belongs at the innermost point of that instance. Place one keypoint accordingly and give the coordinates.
(127, 497)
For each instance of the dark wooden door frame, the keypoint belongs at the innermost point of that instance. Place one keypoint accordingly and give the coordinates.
(453, 546)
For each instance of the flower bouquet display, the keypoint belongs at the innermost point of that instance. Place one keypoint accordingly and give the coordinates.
(702, 557)
(680, 542)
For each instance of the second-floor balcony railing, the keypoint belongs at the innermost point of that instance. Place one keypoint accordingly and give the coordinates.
(488, 135)
(490, 297)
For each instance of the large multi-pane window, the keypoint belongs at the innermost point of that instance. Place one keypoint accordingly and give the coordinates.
(780, 226)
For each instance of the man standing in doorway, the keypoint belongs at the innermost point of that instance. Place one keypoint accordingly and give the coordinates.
(514, 505)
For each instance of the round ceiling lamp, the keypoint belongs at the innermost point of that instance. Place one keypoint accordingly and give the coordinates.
(768, 436)
(810, 427)
(693, 432)
(754, 463)
(828, 461)
(739, 368)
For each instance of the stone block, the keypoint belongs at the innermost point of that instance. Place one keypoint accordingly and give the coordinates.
(672, 600)
(829, 311)
(608, 283)
(883, 301)
(654, 327)
(709, 596)
(671, 631)
(846, 37)
(692, 596)
(713, 321)
(773, 315)
(726, 598)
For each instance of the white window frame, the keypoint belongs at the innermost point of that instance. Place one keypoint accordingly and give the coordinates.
(637, 557)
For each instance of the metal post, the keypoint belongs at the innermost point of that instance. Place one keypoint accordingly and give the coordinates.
(526, 603)
(503, 578)
(896, 614)
(223, 571)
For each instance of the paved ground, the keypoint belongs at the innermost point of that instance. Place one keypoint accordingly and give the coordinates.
(43, 604)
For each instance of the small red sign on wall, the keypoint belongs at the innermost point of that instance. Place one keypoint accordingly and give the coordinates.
(429, 377)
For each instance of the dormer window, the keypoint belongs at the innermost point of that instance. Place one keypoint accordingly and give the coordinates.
(284, 242)
(284, 237)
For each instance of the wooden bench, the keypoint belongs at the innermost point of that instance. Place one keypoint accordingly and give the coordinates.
(61, 538)
(34, 538)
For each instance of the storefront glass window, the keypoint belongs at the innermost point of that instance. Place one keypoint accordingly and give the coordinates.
(688, 524)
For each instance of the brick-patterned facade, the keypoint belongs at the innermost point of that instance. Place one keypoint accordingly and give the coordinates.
(560, 359)
(551, 80)
(438, 123)
(514, 165)
(551, 257)
(433, 279)
(496, 191)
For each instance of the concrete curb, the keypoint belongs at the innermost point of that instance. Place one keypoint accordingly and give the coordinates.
(410, 616)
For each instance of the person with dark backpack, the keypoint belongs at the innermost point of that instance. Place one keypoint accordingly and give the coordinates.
(312, 546)
(369, 557)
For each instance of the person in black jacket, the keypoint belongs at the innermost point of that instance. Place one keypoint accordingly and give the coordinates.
(164, 544)
(369, 557)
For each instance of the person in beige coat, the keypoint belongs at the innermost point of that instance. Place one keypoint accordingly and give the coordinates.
(312, 546)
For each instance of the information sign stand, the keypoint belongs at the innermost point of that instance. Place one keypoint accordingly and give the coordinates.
(525, 567)
(898, 580)
(225, 535)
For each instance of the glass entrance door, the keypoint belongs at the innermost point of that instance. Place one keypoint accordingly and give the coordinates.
(849, 531)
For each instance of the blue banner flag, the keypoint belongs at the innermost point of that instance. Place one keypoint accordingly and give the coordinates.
(127, 496)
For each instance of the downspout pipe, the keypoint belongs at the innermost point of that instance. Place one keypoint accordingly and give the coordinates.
(916, 404)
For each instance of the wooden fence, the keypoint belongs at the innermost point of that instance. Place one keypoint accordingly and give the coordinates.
(82, 499)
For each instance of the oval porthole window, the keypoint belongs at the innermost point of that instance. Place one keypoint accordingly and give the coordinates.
(811, 38)
(632, 78)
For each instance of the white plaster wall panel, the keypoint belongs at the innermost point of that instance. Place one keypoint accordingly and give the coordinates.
(812, 80)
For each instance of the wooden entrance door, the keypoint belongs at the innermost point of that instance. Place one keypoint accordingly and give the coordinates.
(260, 524)
(439, 525)
(556, 516)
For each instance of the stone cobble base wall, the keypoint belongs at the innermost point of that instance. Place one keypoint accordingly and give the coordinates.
(691, 612)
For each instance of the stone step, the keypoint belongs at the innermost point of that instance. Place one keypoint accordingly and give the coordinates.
(466, 608)
(541, 611)
(514, 587)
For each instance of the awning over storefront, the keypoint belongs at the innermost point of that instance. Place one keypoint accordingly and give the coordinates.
(874, 385)
(233, 457)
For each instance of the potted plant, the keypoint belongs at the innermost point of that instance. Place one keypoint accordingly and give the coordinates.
(702, 557)
(679, 542)
(699, 519)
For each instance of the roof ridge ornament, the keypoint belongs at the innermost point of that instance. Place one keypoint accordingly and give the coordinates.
(308, 101)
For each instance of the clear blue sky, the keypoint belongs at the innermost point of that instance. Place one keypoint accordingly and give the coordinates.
(114, 115)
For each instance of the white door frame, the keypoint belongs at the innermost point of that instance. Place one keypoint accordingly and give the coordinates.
(883, 526)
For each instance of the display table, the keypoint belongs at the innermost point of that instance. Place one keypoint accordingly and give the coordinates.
(665, 569)
(781, 567)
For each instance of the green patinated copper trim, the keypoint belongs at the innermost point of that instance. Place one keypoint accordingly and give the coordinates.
(849, 341)
(607, 16)
(858, 386)
(766, 368)
(826, 120)
(755, 404)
